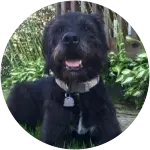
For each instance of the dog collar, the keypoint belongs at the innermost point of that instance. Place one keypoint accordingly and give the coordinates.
(78, 87)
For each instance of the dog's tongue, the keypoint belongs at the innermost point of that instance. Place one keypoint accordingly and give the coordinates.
(73, 63)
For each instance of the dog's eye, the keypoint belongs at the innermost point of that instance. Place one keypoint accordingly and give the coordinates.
(60, 29)
(86, 28)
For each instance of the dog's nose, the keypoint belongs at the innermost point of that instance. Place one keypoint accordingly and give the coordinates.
(70, 38)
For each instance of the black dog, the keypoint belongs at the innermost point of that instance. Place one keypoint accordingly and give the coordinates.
(74, 103)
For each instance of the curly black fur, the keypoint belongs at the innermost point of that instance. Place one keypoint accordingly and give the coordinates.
(42, 100)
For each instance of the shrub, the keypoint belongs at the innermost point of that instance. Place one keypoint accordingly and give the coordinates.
(27, 71)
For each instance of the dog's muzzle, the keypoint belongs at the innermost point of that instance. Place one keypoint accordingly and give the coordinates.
(70, 41)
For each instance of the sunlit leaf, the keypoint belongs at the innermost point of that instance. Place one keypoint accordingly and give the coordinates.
(126, 71)
(141, 74)
(120, 78)
(127, 80)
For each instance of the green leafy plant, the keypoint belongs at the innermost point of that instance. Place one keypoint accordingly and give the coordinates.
(26, 42)
(27, 71)
(22, 59)
(132, 74)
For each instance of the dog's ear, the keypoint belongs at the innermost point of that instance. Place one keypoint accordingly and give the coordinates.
(46, 50)
(99, 21)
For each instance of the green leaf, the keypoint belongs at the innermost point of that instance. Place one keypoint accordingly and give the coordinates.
(121, 44)
(142, 55)
(129, 39)
(31, 72)
(119, 78)
(140, 68)
(14, 81)
(117, 69)
(136, 68)
(29, 78)
(30, 69)
(137, 93)
(34, 79)
(146, 75)
(127, 80)
(141, 74)
(14, 73)
(126, 71)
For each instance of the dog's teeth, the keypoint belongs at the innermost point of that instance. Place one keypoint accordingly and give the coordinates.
(80, 62)
(67, 67)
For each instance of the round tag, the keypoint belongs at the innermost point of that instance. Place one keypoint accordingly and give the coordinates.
(68, 101)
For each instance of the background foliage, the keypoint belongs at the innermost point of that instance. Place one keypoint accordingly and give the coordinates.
(23, 60)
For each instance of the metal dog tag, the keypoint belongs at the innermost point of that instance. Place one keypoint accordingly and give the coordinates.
(68, 101)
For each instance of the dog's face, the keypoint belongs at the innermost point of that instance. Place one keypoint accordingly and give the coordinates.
(75, 47)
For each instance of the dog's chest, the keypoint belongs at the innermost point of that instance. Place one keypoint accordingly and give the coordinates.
(82, 127)
(82, 122)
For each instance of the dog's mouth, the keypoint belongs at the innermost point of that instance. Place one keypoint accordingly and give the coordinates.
(73, 64)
